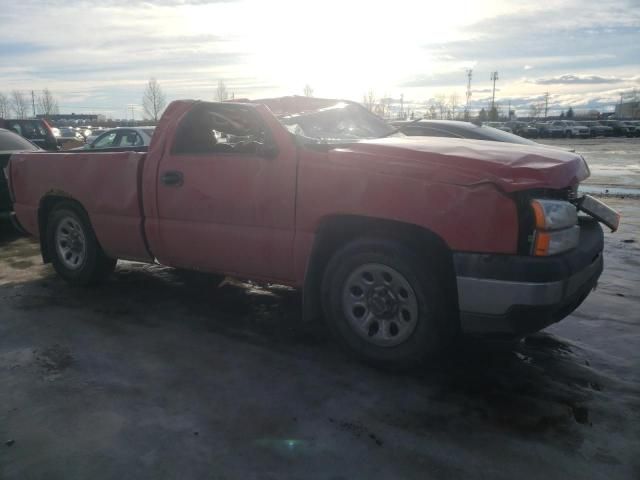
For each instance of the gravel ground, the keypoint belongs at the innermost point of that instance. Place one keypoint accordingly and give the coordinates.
(156, 375)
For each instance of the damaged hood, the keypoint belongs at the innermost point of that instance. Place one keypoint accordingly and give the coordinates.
(509, 166)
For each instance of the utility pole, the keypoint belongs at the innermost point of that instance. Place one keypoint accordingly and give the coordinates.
(33, 103)
(494, 77)
(131, 108)
(619, 112)
(466, 108)
(546, 104)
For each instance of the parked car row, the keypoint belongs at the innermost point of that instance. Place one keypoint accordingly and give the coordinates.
(570, 128)
(40, 133)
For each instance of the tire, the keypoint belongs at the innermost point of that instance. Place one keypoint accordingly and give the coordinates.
(75, 252)
(424, 325)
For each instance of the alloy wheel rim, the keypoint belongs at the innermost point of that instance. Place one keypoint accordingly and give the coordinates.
(71, 243)
(380, 304)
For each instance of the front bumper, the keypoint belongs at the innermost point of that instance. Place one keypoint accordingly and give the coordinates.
(515, 295)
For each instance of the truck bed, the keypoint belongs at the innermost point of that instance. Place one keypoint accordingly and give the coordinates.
(107, 184)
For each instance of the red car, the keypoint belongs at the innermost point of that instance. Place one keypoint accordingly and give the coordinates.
(401, 243)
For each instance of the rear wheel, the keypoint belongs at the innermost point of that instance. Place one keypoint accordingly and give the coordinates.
(386, 304)
(75, 252)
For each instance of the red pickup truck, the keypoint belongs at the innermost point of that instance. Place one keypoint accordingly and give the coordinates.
(401, 243)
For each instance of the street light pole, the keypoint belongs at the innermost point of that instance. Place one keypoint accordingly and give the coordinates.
(466, 109)
(494, 77)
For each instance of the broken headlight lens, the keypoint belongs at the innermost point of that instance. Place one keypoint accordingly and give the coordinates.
(556, 227)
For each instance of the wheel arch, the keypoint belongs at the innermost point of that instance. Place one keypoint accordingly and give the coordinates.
(47, 203)
(336, 231)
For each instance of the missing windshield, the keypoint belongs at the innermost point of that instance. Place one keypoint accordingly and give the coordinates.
(340, 123)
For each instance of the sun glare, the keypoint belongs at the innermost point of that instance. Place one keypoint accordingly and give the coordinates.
(339, 48)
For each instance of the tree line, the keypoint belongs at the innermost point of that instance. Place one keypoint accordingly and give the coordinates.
(19, 105)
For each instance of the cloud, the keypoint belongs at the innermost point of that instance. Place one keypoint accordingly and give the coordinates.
(436, 80)
(20, 48)
(189, 44)
(572, 79)
(573, 34)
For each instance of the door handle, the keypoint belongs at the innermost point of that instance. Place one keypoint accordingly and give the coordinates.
(172, 178)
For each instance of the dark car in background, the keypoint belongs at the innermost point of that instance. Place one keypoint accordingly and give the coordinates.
(523, 129)
(34, 130)
(620, 128)
(458, 129)
(550, 130)
(10, 143)
(68, 137)
(597, 129)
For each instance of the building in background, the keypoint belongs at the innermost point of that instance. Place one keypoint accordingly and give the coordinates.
(73, 118)
(628, 110)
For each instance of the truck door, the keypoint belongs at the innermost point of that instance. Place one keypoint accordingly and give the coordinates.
(226, 195)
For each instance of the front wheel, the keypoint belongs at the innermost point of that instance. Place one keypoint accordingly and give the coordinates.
(385, 303)
(75, 252)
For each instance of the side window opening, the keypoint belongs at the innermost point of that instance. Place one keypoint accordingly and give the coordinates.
(106, 141)
(15, 127)
(129, 139)
(220, 128)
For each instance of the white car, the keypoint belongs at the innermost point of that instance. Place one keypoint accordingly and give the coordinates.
(571, 128)
(121, 137)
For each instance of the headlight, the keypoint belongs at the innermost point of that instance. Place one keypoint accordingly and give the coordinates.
(556, 227)
(551, 243)
(554, 214)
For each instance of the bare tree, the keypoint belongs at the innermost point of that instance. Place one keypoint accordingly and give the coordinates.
(153, 100)
(369, 100)
(453, 104)
(4, 106)
(308, 91)
(222, 93)
(440, 103)
(384, 106)
(534, 110)
(19, 104)
(47, 104)
(433, 113)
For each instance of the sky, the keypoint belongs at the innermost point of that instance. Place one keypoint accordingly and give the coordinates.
(97, 56)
